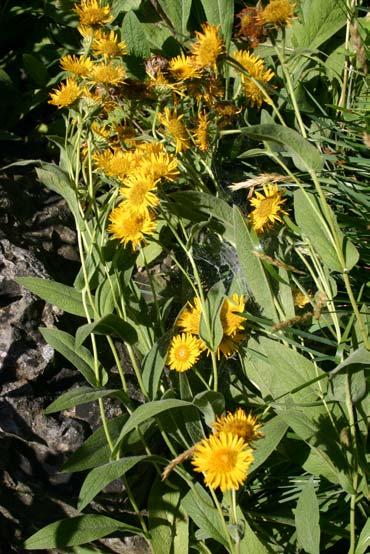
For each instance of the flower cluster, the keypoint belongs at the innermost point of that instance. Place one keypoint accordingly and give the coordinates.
(225, 456)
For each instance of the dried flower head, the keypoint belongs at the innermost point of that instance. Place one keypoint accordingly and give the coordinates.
(250, 27)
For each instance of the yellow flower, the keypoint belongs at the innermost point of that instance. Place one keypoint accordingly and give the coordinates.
(189, 319)
(78, 65)
(153, 147)
(231, 321)
(277, 12)
(66, 94)
(267, 208)
(184, 352)
(91, 13)
(301, 299)
(127, 227)
(107, 45)
(139, 193)
(229, 345)
(176, 129)
(207, 47)
(160, 166)
(99, 130)
(108, 74)
(256, 69)
(116, 164)
(201, 132)
(240, 424)
(86, 31)
(183, 67)
(224, 460)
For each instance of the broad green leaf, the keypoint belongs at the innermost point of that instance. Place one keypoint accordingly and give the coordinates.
(147, 411)
(192, 421)
(119, 6)
(76, 397)
(35, 69)
(105, 295)
(250, 542)
(273, 432)
(80, 357)
(66, 298)
(307, 519)
(211, 404)
(363, 543)
(211, 330)
(168, 522)
(251, 267)
(200, 508)
(312, 222)
(220, 12)
(76, 530)
(133, 34)
(95, 450)
(321, 20)
(108, 325)
(358, 357)
(101, 476)
(177, 12)
(153, 366)
(305, 155)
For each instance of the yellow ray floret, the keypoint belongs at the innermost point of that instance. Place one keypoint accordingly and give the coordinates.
(184, 352)
(175, 128)
(224, 460)
(240, 424)
(201, 135)
(92, 13)
(189, 319)
(231, 320)
(116, 164)
(277, 12)
(183, 67)
(301, 299)
(66, 94)
(229, 345)
(160, 166)
(107, 44)
(78, 65)
(139, 192)
(109, 74)
(208, 47)
(267, 208)
(130, 228)
(256, 69)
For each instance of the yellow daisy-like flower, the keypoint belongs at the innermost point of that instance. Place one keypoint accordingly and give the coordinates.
(183, 67)
(189, 319)
(66, 94)
(224, 460)
(301, 299)
(139, 193)
(107, 45)
(108, 74)
(207, 47)
(184, 352)
(229, 345)
(256, 69)
(116, 164)
(245, 426)
(231, 321)
(91, 13)
(277, 12)
(148, 148)
(128, 227)
(267, 208)
(175, 128)
(201, 134)
(78, 65)
(160, 166)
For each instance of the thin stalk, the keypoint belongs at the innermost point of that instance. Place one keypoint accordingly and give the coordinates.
(154, 293)
(223, 522)
(351, 419)
(234, 518)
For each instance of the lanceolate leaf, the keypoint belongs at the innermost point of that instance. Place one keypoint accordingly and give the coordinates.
(134, 35)
(76, 397)
(177, 12)
(76, 530)
(108, 325)
(220, 12)
(211, 330)
(273, 431)
(307, 520)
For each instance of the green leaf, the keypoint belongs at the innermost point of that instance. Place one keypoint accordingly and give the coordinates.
(76, 397)
(108, 325)
(361, 356)
(95, 450)
(101, 476)
(273, 431)
(211, 330)
(307, 519)
(80, 357)
(321, 20)
(363, 543)
(312, 222)
(147, 411)
(200, 507)
(305, 155)
(211, 404)
(35, 69)
(119, 6)
(105, 295)
(168, 522)
(66, 298)
(251, 266)
(177, 12)
(76, 530)
(153, 365)
(221, 12)
(250, 542)
(133, 34)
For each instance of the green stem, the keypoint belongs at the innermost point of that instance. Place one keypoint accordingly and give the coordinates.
(223, 522)
(234, 518)
(351, 419)
(154, 293)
